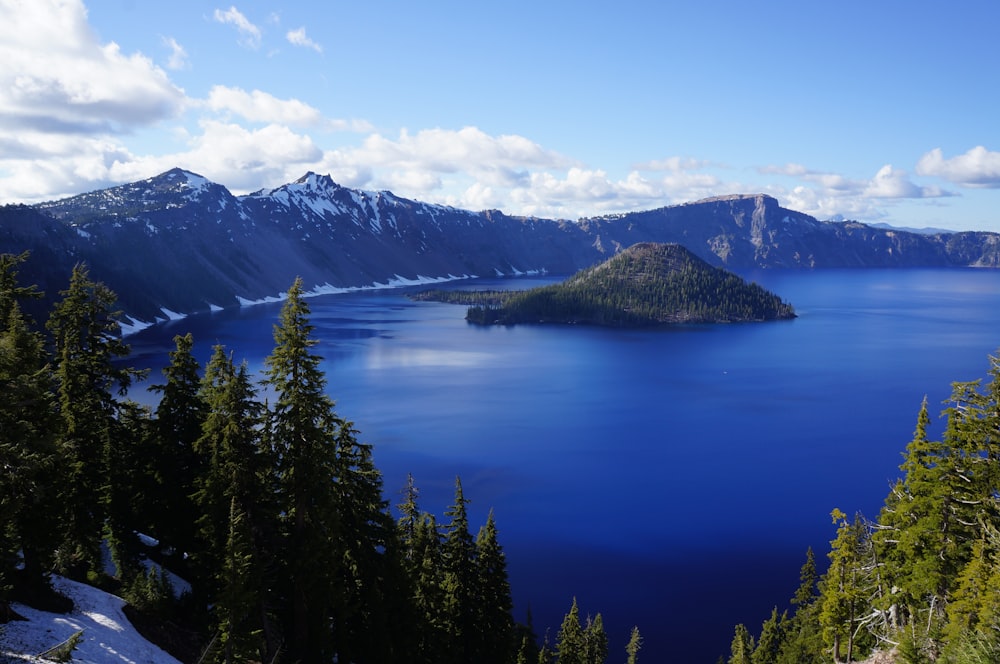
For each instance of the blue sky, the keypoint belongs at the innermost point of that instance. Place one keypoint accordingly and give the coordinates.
(882, 112)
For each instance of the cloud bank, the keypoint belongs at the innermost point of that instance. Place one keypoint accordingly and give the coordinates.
(72, 106)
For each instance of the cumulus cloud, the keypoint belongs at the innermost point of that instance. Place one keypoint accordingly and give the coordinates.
(978, 168)
(258, 106)
(57, 77)
(893, 183)
(298, 38)
(449, 151)
(250, 34)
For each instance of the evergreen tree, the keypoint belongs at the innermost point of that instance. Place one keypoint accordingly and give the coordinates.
(460, 582)
(845, 590)
(174, 463)
(28, 470)
(633, 646)
(371, 558)
(303, 428)
(420, 551)
(803, 639)
(429, 592)
(495, 623)
(124, 499)
(570, 641)
(771, 638)
(235, 498)
(595, 640)
(239, 597)
(340, 555)
(87, 339)
(741, 649)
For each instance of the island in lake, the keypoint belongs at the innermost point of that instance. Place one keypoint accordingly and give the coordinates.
(646, 285)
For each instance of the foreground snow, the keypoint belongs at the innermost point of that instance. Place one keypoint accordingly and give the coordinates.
(108, 636)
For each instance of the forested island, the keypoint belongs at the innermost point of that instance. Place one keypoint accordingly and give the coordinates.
(919, 582)
(647, 285)
(271, 509)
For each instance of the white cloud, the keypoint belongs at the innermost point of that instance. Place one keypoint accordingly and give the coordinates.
(178, 56)
(260, 106)
(892, 183)
(250, 34)
(978, 168)
(298, 38)
(57, 78)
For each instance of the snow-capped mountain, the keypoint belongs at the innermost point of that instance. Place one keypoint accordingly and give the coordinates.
(180, 243)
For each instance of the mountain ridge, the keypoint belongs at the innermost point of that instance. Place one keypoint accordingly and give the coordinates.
(177, 242)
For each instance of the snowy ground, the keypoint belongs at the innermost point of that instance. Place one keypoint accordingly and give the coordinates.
(108, 636)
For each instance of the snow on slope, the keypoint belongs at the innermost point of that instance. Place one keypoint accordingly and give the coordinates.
(108, 636)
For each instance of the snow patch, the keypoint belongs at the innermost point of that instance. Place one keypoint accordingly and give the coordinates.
(132, 325)
(328, 289)
(108, 636)
(172, 315)
(214, 307)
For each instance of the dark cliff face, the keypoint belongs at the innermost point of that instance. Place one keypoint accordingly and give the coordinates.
(181, 243)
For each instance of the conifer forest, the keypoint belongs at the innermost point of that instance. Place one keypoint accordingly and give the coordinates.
(920, 581)
(256, 491)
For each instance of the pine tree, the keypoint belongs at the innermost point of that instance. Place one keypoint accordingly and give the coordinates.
(125, 482)
(845, 590)
(460, 582)
(633, 646)
(495, 622)
(371, 555)
(771, 638)
(234, 495)
(239, 597)
(303, 427)
(429, 594)
(570, 640)
(28, 461)
(741, 649)
(173, 461)
(87, 340)
(420, 552)
(803, 639)
(595, 640)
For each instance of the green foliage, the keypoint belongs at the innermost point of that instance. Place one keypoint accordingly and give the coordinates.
(772, 635)
(633, 647)
(925, 578)
(293, 551)
(172, 460)
(742, 647)
(64, 651)
(151, 592)
(494, 606)
(29, 481)
(87, 342)
(646, 285)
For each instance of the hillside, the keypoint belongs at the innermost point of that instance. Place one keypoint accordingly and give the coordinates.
(177, 243)
(648, 284)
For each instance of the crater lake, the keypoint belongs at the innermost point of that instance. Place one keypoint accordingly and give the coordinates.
(671, 479)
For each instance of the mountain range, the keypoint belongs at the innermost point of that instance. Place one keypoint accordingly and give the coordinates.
(178, 243)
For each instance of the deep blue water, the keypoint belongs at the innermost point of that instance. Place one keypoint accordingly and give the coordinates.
(670, 479)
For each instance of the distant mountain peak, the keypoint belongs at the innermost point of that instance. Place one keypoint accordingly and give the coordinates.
(178, 179)
(313, 180)
(736, 197)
